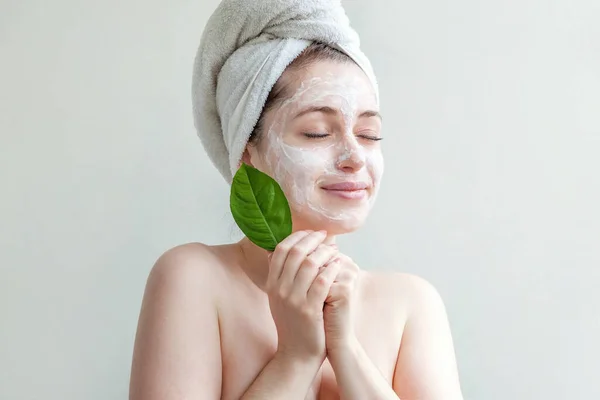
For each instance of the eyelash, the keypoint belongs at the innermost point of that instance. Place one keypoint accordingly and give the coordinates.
(323, 135)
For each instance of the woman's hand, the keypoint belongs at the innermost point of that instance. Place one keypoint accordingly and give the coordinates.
(297, 287)
(339, 308)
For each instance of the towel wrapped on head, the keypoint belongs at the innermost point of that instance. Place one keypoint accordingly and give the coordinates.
(245, 47)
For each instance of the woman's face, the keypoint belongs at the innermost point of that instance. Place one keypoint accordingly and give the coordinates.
(321, 146)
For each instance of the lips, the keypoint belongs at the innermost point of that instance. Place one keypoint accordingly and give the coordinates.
(355, 191)
(346, 186)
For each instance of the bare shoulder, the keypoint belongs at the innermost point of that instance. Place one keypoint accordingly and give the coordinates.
(178, 340)
(426, 352)
(407, 290)
(187, 261)
(398, 279)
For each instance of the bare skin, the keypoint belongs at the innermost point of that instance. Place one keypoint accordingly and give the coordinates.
(215, 322)
(206, 331)
(379, 332)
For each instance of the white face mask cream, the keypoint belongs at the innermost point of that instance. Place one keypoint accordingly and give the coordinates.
(327, 162)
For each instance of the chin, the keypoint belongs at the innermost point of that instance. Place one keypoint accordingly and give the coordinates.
(334, 226)
(341, 227)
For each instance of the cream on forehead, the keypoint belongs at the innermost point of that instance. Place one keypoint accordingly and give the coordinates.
(300, 170)
(331, 89)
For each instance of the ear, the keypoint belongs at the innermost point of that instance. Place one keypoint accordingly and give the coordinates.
(246, 158)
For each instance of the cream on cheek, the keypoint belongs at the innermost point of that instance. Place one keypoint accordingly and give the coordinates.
(302, 170)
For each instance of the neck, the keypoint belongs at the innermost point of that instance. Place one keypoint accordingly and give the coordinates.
(255, 262)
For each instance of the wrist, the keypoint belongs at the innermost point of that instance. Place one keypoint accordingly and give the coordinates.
(296, 361)
(343, 349)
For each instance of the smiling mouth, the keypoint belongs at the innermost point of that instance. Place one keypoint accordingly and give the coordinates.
(347, 190)
(349, 194)
(346, 186)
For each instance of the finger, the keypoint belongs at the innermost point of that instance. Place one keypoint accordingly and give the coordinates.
(278, 257)
(334, 292)
(317, 293)
(296, 256)
(309, 269)
(344, 274)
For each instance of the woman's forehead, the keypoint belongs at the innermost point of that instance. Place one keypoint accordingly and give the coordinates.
(348, 89)
(333, 77)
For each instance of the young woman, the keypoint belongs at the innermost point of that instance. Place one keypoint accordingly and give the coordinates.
(235, 321)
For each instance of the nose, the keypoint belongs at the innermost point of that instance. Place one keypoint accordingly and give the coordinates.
(351, 157)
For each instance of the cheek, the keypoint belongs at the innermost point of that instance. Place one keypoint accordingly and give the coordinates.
(296, 170)
(304, 162)
(303, 172)
(375, 165)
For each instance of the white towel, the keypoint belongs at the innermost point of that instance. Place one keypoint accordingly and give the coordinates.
(245, 47)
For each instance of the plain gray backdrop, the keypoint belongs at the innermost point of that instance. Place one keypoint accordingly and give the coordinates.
(491, 190)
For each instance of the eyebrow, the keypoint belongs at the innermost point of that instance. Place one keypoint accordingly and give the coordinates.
(332, 111)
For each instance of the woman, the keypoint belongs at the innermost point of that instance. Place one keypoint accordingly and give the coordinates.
(303, 322)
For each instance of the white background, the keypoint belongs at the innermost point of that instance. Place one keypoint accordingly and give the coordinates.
(491, 190)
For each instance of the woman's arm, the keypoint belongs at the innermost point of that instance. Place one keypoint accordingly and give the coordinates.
(283, 378)
(356, 375)
(177, 346)
(426, 367)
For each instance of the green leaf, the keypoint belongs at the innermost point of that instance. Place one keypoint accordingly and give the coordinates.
(259, 207)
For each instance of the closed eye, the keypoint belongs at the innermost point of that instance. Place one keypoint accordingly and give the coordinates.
(374, 138)
(315, 135)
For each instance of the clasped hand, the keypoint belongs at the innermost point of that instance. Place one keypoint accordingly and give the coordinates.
(311, 289)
